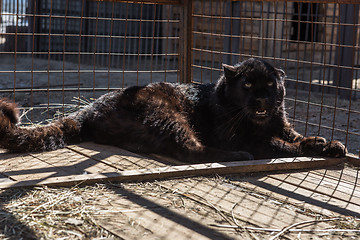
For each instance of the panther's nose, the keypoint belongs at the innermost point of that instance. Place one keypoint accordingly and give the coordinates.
(261, 102)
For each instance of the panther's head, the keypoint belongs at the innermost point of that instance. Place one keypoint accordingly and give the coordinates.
(255, 88)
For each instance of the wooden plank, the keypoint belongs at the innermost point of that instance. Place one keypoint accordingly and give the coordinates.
(321, 183)
(308, 190)
(73, 163)
(184, 170)
(352, 174)
(344, 174)
(116, 157)
(62, 162)
(25, 167)
(302, 198)
(324, 202)
(325, 186)
(248, 207)
(185, 209)
(156, 219)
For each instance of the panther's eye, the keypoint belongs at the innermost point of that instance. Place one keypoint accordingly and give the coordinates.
(247, 85)
(270, 84)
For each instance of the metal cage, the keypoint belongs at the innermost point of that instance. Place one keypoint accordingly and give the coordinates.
(53, 50)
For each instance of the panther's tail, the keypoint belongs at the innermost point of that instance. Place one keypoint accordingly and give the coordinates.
(28, 139)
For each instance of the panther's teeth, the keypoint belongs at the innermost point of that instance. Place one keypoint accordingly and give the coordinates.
(261, 112)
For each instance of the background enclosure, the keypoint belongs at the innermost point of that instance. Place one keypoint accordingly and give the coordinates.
(52, 51)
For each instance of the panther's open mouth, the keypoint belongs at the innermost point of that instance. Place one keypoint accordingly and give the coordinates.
(261, 113)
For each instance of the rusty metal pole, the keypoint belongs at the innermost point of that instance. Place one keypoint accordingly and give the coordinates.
(186, 41)
(343, 75)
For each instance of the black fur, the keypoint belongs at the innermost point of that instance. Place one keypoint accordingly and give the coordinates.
(239, 118)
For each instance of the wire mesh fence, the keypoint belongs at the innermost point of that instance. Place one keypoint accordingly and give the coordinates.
(53, 50)
(315, 42)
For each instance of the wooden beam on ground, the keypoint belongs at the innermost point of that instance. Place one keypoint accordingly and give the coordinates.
(183, 171)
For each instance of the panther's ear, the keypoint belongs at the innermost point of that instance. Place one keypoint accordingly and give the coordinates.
(280, 73)
(229, 71)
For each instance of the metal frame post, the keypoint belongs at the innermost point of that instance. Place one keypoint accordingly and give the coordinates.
(186, 41)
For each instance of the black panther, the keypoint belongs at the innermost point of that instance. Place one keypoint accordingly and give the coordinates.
(241, 117)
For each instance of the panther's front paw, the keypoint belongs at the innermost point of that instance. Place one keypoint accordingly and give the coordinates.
(311, 146)
(334, 149)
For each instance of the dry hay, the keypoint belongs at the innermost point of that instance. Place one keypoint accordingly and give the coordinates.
(52, 213)
(70, 213)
